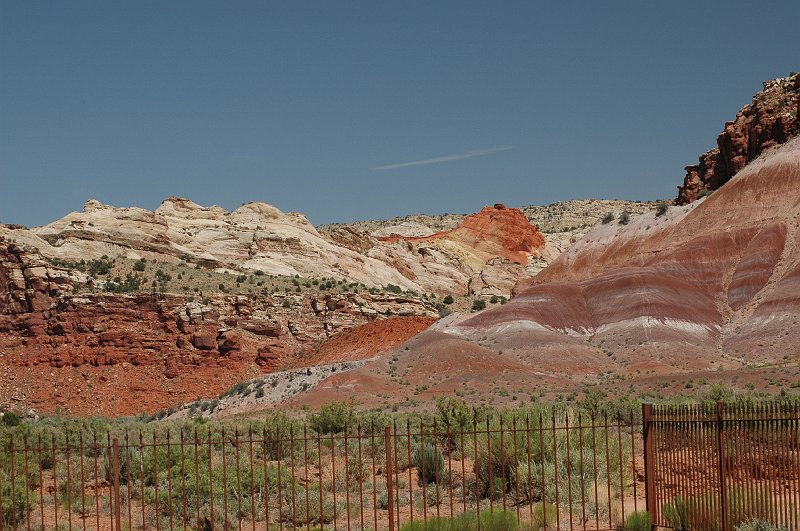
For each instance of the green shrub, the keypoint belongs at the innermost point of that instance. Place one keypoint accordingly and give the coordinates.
(17, 512)
(544, 516)
(638, 521)
(429, 462)
(662, 208)
(331, 418)
(383, 500)
(685, 513)
(608, 218)
(393, 289)
(676, 514)
(448, 299)
(478, 305)
(498, 520)
(11, 419)
(755, 524)
(624, 218)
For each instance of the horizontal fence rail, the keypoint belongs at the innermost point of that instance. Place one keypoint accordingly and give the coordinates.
(714, 467)
(563, 472)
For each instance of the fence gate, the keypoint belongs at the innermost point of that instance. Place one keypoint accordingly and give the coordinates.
(713, 467)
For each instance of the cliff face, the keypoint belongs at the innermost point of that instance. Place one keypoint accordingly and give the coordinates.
(116, 354)
(772, 118)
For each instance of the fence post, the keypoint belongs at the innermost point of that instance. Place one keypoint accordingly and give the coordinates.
(649, 457)
(389, 487)
(115, 481)
(723, 495)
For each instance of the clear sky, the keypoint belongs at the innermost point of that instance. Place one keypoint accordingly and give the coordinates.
(350, 110)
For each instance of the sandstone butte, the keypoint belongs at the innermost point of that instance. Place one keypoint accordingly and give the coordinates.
(772, 118)
(707, 290)
(124, 354)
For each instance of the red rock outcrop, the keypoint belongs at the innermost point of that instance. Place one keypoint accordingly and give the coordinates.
(495, 230)
(772, 118)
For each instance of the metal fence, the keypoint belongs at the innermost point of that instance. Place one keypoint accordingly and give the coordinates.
(713, 467)
(565, 472)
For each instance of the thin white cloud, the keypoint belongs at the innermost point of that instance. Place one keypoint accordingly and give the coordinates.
(447, 158)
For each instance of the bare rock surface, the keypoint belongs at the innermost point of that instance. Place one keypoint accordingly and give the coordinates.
(772, 118)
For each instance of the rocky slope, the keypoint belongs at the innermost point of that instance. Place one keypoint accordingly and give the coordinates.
(708, 291)
(259, 237)
(63, 346)
(561, 224)
(772, 118)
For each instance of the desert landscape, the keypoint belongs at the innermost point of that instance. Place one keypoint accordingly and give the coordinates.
(126, 311)
(438, 268)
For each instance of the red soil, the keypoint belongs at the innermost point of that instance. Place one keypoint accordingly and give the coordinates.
(368, 340)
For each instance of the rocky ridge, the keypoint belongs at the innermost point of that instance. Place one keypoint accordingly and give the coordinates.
(259, 237)
(772, 118)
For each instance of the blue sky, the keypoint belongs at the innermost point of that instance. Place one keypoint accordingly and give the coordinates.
(355, 110)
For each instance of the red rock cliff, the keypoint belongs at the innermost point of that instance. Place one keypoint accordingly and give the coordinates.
(772, 118)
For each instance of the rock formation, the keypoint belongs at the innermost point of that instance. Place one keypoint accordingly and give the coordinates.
(710, 290)
(259, 237)
(772, 118)
(125, 354)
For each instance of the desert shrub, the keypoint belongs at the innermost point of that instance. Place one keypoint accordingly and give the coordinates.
(448, 299)
(11, 419)
(638, 521)
(100, 267)
(393, 288)
(624, 218)
(429, 462)
(331, 418)
(544, 516)
(352, 475)
(14, 513)
(608, 218)
(684, 513)
(755, 524)
(498, 520)
(662, 208)
(139, 265)
(383, 500)
(494, 465)
(676, 514)
(443, 310)
(478, 305)
(434, 497)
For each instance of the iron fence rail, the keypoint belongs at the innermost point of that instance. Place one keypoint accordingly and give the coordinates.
(715, 466)
(565, 472)
(699, 467)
